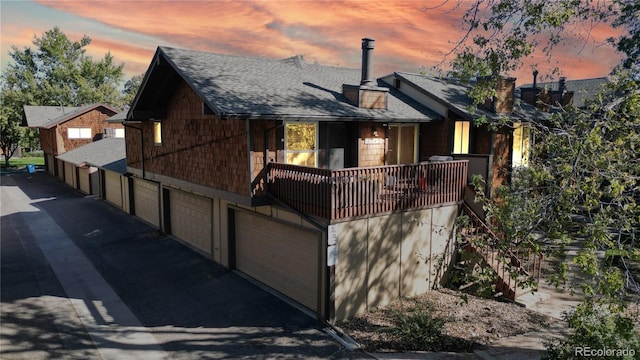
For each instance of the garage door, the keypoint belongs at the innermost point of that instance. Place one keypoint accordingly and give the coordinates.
(70, 174)
(281, 256)
(51, 164)
(190, 217)
(83, 177)
(60, 168)
(147, 201)
(113, 188)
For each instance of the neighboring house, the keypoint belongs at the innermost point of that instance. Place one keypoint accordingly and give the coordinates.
(99, 168)
(317, 181)
(549, 95)
(65, 128)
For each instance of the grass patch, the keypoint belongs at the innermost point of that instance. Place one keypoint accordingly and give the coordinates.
(23, 161)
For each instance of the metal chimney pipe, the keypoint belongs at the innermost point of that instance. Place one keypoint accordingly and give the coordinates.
(535, 79)
(367, 48)
(562, 85)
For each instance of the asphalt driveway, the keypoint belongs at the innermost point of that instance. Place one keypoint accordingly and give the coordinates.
(82, 279)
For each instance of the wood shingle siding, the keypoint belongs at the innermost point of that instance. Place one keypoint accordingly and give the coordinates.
(197, 148)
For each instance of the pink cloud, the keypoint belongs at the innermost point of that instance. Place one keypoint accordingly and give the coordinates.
(409, 34)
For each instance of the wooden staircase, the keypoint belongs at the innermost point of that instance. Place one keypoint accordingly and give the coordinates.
(511, 267)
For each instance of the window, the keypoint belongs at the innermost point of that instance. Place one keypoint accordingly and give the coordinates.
(157, 133)
(521, 145)
(111, 132)
(461, 137)
(79, 133)
(402, 144)
(301, 139)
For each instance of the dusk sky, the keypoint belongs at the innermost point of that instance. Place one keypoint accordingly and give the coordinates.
(410, 35)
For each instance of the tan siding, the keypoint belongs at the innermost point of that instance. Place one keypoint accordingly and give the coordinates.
(384, 254)
(381, 259)
(351, 269)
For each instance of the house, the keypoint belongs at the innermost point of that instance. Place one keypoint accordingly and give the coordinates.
(63, 128)
(550, 95)
(328, 185)
(492, 150)
(99, 168)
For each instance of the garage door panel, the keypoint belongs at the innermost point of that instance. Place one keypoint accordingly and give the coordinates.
(113, 188)
(146, 201)
(281, 256)
(191, 219)
(83, 176)
(69, 174)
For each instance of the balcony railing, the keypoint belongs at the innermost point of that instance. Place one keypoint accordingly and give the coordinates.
(354, 192)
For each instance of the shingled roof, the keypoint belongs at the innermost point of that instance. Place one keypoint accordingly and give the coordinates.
(453, 94)
(49, 116)
(108, 153)
(264, 88)
(584, 90)
(38, 116)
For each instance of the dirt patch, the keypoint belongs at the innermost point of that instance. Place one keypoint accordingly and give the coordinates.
(467, 324)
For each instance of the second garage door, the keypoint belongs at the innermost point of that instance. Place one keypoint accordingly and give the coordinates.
(191, 217)
(283, 257)
(113, 188)
(146, 199)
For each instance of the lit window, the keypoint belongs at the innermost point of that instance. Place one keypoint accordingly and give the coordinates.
(79, 133)
(461, 137)
(119, 133)
(521, 144)
(157, 133)
(301, 141)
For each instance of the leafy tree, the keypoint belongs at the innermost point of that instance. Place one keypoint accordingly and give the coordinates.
(582, 185)
(57, 72)
(131, 88)
(10, 132)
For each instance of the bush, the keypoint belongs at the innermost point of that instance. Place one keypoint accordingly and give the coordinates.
(418, 329)
(34, 153)
(596, 330)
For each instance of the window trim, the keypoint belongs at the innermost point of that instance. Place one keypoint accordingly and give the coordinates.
(82, 133)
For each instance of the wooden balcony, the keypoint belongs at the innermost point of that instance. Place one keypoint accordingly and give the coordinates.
(357, 192)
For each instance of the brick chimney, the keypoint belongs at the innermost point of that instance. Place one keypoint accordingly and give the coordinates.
(502, 103)
(562, 97)
(367, 95)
